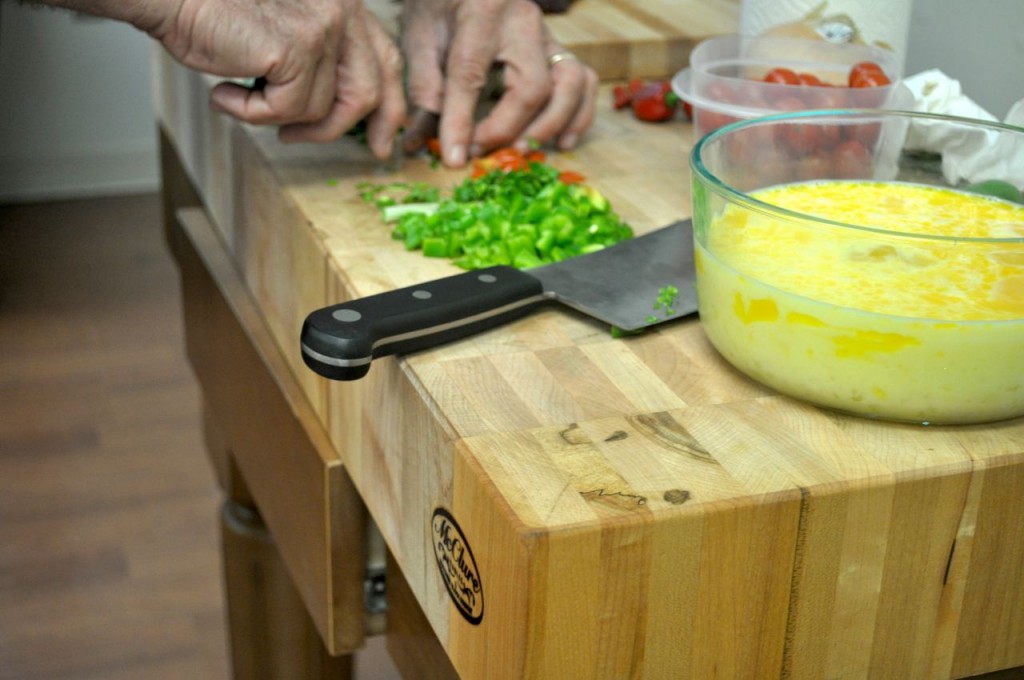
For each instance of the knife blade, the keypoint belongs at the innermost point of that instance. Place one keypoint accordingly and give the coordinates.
(618, 285)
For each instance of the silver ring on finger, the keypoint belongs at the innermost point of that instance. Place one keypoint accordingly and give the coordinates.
(564, 55)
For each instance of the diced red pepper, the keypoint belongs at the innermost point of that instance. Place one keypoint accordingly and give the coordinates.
(571, 177)
(482, 166)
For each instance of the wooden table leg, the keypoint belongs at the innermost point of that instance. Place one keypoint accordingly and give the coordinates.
(272, 637)
(271, 634)
(411, 642)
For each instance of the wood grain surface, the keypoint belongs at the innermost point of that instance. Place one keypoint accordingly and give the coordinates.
(651, 39)
(633, 508)
(626, 38)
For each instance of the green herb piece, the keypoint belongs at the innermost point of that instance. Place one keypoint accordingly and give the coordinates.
(397, 193)
(664, 303)
(667, 296)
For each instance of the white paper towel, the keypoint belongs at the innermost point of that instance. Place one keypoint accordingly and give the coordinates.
(971, 156)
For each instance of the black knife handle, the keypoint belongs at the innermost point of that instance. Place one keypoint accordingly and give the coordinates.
(339, 341)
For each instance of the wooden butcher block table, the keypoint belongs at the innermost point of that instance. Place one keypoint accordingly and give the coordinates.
(557, 503)
(626, 38)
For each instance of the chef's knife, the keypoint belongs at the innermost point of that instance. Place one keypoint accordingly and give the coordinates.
(618, 285)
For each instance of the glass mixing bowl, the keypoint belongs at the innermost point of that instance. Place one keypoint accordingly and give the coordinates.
(867, 261)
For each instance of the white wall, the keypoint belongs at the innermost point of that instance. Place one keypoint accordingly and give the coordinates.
(76, 115)
(75, 110)
(978, 42)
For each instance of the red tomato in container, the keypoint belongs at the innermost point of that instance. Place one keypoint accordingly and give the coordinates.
(828, 98)
(811, 80)
(852, 160)
(799, 137)
(865, 134)
(867, 74)
(707, 120)
(812, 167)
(782, 76)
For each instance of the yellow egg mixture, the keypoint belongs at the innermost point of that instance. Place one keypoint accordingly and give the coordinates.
(900, 327)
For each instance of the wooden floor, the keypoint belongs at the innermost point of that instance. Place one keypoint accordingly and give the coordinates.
(109, 546)
(109, 565)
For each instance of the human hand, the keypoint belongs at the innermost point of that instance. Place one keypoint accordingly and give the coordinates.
(450, 46)
(327, 64)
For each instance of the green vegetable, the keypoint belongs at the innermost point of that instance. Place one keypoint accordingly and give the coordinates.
(622, 333)
(392, 213)
(523, 218)
(398, 193)
(997, 188)
(665, 302)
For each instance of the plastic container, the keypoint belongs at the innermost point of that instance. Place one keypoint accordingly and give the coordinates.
(724, 82)
(870, 282)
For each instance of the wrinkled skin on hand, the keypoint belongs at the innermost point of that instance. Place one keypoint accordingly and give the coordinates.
(450, 46)
(328, 64)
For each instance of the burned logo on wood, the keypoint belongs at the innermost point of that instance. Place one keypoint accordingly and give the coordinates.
(457, 567)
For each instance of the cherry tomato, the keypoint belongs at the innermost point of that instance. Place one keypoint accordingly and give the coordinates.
(866, 134)
(635, 85)
(719, 91)
(753, 147)
(802, 138)
(809, 79)
(655, 101)
(829, 136)
(434, 147)
(799, 137)
(707, 120)
(867, 74)
(782, 76)
(653, 109)
(828, 98)
(650, 100)
(621, 97)
(852, 160)
(815, 166)
(870, 80)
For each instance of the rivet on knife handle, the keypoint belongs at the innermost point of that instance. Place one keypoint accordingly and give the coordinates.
(340, 341)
